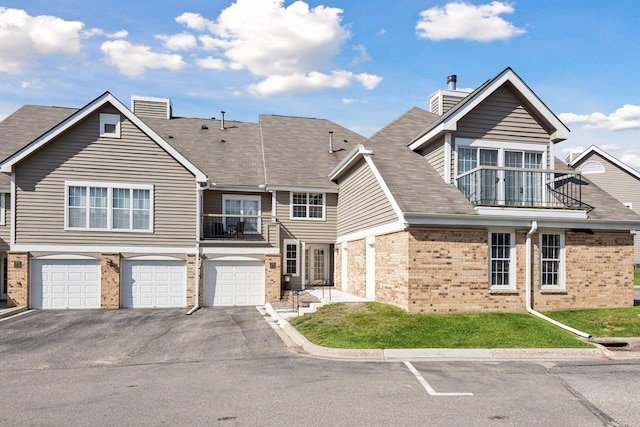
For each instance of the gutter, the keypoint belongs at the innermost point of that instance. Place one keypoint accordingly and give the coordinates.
(534, 228)
(200, 190)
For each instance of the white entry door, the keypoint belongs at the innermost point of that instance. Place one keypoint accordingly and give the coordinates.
(149, 284)
(318, 262)
(234, 283)
(62, 283)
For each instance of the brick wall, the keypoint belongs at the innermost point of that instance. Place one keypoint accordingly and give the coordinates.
(110, 280)
(193, 281)
(392, 269)
(272, 277)
(357, 271)
(598, 273)
(17, 279)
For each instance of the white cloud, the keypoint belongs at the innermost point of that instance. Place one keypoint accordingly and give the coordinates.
(626, 117)
(182, 41)
(93, 32)
(362, 56)
(211, 63)
(348, 101)
(460, 20)
(133, 60)
(24, 38)
(610, 147)
(631, 158)
(382, 32)
(291, 48)
(305, 83)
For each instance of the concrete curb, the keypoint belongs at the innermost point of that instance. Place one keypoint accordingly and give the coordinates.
(304, 345)
(8, 312)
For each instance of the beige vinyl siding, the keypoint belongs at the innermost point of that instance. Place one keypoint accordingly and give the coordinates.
(307, 230)
(502, 117)
(80, 155)
(621, 185)
(435, 104)
(434, 154)
(362, 202)
(156, 109)
(5, 230)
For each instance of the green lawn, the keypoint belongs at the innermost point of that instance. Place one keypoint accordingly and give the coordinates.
(602, 322)
(375, 325)
(636, 277)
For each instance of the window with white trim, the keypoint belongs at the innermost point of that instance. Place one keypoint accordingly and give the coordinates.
(307, 205)
(241, 208)
(501, 264)
(109, 206)
(291, 257)
(551, 261)
(110, 125)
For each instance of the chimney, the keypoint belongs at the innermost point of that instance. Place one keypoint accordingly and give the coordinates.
(451, 82)
(330, 142)
(222, 121)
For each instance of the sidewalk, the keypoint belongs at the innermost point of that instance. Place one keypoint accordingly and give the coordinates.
(7, 312)
(297, 342)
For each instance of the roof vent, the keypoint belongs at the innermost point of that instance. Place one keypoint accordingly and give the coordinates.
(330, 142)
(451, 82)
(222, 121)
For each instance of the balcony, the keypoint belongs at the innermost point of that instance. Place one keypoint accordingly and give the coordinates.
(522, 187)
(241, 228)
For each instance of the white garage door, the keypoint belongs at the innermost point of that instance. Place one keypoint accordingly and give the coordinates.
(150, 284)
(234, 283)
(65, 284)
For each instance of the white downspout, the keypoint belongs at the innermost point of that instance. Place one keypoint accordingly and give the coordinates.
(199, 207)
(534, 228)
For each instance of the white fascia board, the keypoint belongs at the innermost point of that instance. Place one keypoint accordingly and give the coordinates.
(238, 188)
(227, 250)
(392, 227)
(90, 108)
(532, 212)
(348, 161)
(483, 221)
(609, 157)
(298, 189)
(70, 249)
(433, 133)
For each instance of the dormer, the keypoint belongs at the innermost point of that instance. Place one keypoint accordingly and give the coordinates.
(443, 99)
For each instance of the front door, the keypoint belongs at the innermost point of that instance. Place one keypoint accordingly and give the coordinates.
(318, 264)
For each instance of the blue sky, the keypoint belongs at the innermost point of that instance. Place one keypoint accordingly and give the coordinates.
(358, 63)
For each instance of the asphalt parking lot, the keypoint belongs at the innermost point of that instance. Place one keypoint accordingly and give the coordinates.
(227, 367)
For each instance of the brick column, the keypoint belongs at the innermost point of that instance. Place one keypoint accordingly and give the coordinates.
(110, 280)
(192, 280)
(18, 279)
(272, 277)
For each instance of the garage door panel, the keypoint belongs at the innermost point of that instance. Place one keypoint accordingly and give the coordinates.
(229, 283)
(154, 284)
(61, 284)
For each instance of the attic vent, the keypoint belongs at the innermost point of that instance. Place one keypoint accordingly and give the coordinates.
(147, 106)
(222, 121)
(330, 142)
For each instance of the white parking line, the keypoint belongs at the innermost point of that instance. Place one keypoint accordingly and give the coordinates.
(426, 385)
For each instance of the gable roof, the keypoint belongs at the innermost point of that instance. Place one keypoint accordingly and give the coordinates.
(106, 98)
(596, 150)
(448, 122)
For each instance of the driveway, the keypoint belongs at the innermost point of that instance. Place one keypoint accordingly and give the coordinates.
(88, 338)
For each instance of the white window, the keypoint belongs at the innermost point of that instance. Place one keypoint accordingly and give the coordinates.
(240, 208)
(110, 125)
(291, 257)
(109, 206)
(307, 206)
(551, 261)
(592, 166)
(501, 263)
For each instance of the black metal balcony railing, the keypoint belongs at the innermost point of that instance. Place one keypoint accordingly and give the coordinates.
(252, 228)
(522, 187)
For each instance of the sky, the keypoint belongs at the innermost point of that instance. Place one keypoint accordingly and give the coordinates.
(360, 64)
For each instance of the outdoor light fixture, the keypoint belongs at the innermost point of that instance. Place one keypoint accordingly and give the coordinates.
(109, 262)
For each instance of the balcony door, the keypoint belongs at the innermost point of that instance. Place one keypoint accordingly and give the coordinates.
(482, 188)
(521, 187)
(241, 208)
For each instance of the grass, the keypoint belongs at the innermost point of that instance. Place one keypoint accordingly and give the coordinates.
(376, 325)
(636, 277)
(602, 322)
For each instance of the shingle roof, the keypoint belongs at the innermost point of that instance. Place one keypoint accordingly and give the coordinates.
(296, 150)
(414, 183)
(232, 156)
(26, 124)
